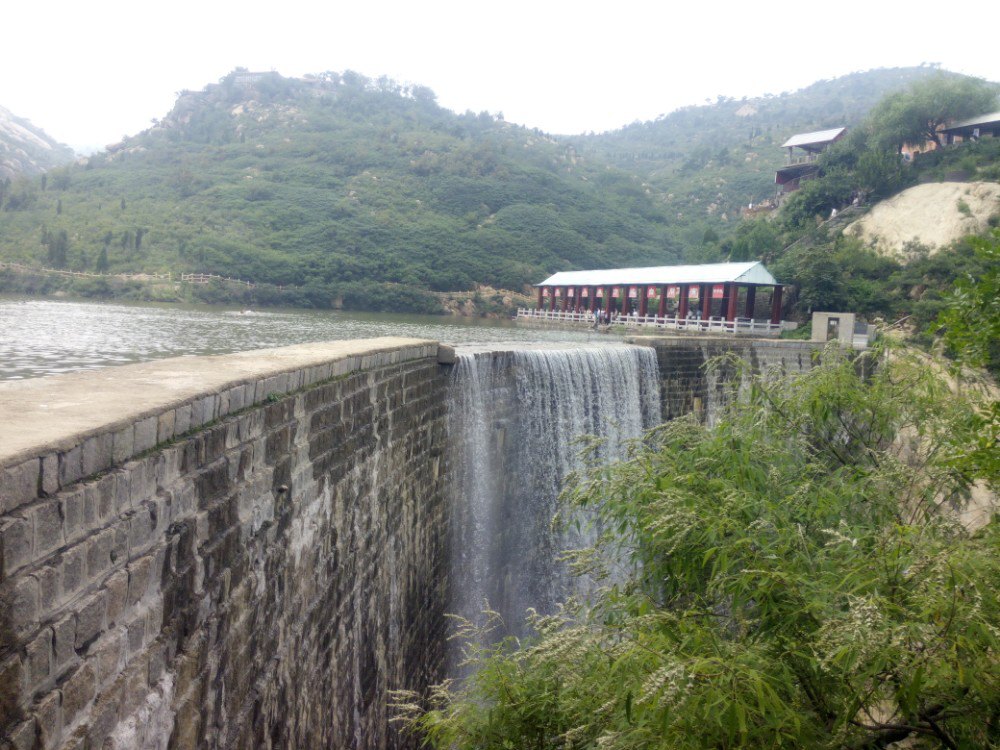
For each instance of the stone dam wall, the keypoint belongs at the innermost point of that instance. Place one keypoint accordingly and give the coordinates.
(699, 374)
(240, 551)
(244, 551)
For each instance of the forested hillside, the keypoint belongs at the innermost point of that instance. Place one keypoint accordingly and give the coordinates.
(340, 185)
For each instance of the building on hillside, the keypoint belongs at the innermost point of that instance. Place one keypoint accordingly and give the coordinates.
(962, 131)
(719, 297)
(803, 166)
(983, 126)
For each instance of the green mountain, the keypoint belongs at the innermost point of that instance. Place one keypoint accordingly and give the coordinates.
(341, 185)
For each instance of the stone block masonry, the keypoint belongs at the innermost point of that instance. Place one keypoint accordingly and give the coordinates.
(238, 551)
(697, 374)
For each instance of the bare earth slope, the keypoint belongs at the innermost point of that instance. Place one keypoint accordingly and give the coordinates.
(934, 215)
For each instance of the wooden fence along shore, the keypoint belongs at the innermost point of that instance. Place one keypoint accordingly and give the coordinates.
(189, 278)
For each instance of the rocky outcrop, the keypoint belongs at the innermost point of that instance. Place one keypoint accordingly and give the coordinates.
(929, 216)
(27, 150)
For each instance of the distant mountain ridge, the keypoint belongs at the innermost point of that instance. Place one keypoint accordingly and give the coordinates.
(26, 149)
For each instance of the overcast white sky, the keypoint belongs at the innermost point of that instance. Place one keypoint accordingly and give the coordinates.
(90, 71)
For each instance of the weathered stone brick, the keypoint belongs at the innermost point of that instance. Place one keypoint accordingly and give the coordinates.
(136, 635)
(136, 685)
(116, 588)
(48, 717)
(97, 453)
(141, 526)
(11, 683)
(19, 485)
(78, 691)
(89, 620)
(99, 549)
(19, 602)
(123, 445)
(22, 737)
(109, 655)
(141, 477)
(70, 466)
(47, 526)
(222, 404)
(157, 661)
(50, 474)
(50, 586)
(64, 642)
(16, 539)
(154, 620)
(120, 550)
(38, 660)
(74, 511)
(106, 712)
(182, 419)
(165, 426)
(74, 569)
(144, 434)
(139, 575)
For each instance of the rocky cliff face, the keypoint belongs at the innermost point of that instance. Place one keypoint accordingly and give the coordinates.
(27, 150)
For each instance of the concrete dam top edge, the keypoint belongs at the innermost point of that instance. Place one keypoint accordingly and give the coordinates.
(158, 400)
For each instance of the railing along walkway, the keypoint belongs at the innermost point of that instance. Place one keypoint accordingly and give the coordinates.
(710, 325)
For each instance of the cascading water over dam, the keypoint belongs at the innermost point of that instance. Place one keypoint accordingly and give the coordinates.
(514, 420)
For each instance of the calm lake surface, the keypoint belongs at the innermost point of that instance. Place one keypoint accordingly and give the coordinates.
(46, 337)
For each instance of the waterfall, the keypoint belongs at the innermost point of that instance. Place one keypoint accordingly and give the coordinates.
(514, 420)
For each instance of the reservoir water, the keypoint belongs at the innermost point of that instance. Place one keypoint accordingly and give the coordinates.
(47, 337)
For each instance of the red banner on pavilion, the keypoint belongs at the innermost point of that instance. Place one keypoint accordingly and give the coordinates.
(650, 291)
(718, 291)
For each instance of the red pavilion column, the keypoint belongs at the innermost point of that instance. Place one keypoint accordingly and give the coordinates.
(682, 306)
(565, 298)
(776, 304)
(662, 310)
(706, 301)
(539, 307)
(552, 299)
(751, 298)
(643, 300)
(734, 295)
(592, 291)
(578, 298)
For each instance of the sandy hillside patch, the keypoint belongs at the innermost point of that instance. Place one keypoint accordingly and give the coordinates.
(934, 215)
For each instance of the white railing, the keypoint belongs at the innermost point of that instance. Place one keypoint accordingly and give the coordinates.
(709, 325)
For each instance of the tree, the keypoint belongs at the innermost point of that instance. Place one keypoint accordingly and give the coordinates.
(971, 321)
(914, 115)
(58, 247)
(793, 578)
(102, 260)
